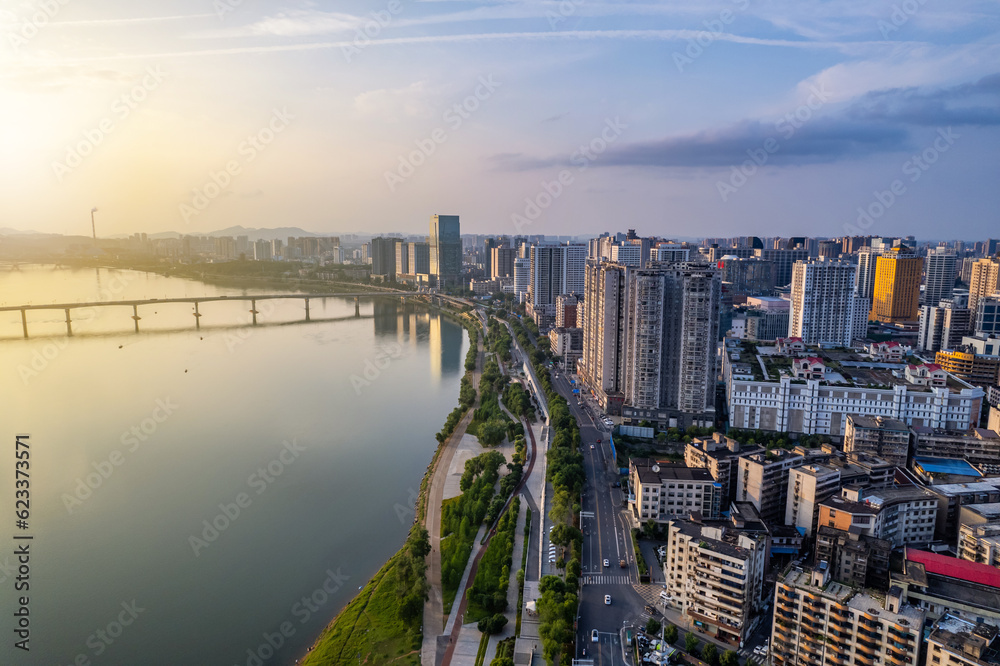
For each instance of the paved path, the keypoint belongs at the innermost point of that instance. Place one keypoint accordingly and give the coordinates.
(433, 625)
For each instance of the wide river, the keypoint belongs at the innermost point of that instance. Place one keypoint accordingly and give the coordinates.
(192, 490)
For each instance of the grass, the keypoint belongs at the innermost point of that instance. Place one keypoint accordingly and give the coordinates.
(369, 626)
(520, 584)
(484, 643)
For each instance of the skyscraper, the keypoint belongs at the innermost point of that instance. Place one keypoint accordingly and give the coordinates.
(940, 281)
(383, 254)
(983, 281)
(897, 286)
(864, 278)
(555, 270)
(501, 262)
(522, 278)
(602, 319)
(825, 308)
(446, 250)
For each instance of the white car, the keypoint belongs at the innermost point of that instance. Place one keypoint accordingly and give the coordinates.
(594, 638)
(591, 446)
(606, 563)
(607, 599)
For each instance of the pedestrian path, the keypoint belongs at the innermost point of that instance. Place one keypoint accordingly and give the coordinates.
(608, 579)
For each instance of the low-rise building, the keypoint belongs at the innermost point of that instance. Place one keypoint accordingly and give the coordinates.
(957, 641)
(854, 558)
(940, 584)
(664, 491)
(720, 456)
(807, 487)
(763, 480)
(953, 496)
(964, 362)
(818, 621)
(715, 577)
(885, 438)
(979, 446)
(901, 516)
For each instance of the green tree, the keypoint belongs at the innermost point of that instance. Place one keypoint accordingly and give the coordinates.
(710, 654)
(652, 626)
(691, 643)
(670, 634)
(729, 658)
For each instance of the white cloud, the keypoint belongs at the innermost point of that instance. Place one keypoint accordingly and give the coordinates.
(395, 104)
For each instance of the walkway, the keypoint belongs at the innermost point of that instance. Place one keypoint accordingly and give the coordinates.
(512, 588)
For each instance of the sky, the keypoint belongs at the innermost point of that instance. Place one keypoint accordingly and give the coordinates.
(678, 119)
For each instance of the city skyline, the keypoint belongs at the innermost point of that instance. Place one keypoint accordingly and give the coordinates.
(537, 119)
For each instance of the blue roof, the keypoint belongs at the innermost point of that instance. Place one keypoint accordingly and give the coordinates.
(947, 466)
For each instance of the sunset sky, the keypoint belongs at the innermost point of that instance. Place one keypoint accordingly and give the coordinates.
(195, 115)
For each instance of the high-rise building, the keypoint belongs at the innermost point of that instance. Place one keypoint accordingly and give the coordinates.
(555, 270)
(885, 438)
(446, 250)
(944, 326)
(983, 281)
(782, 261)
(383, 254)
(522, 278)
(626, 253)
(671, 328)
(807, 487)
(825, 309)
(402, 258)
(763, 480)
(988, 316)
(864, 277)
(419, 258)
(958, 641)
(602, 319)
(939, 282)
(501, 262)
(669, 252)
(897, 286)
(747, 277)
(821, 622)
(855, 559)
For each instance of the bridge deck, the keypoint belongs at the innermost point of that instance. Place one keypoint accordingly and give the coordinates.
(199, 299)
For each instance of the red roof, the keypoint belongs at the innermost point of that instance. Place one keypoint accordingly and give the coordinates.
(813, 360)
(890, 345)
(932, 367)
(952, 567)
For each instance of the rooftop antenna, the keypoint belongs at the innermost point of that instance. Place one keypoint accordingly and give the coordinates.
(93, 227)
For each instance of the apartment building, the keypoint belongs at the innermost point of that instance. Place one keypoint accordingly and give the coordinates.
(979, 446)
(878, 436)
(901, 516)
(763, 480)
(720, 456)
(663, 492)
(715, 577)
(896, 298)
(821, 622)
(954, 496)
(940, 584)
(984, 281)
(957, 641)
(939, 275)
(854, 559)
(807, 487)
(825, 309)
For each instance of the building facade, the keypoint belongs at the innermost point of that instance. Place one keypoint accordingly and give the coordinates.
(825, 309)
(896, 298)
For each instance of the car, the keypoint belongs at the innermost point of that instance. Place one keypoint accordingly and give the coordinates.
(591, 446)
(607, 599)
(594, 637)
(606, 563)
(599, 441)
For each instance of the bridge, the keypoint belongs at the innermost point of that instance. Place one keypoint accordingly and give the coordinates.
(197, 301)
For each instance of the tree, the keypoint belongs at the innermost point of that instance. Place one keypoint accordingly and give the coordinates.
(493, 624)
(710, 654)
(729, 658)
(691, 643)
(652, 626)
(670, 634)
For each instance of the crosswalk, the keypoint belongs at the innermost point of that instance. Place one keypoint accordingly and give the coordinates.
(607, 579)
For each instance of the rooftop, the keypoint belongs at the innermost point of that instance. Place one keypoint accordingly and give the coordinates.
(951, 567)
(861, 421)
(990, 484)
(956, 466)
(988, 511)
(967, 639)
(650, 471)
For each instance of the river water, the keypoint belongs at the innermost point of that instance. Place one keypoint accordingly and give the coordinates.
(192, 490)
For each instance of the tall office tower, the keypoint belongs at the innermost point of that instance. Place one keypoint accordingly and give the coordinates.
(897, 286)
(825, 310)
(783, 260)
(671, 328)
(262, 250)
(501, 262)
(522, 278)
(830, 249)
(446, 250)
(383, 254)
(983, 280)
(602, 319)
(992, 247)
(940, 280)
(669, 252)
(747, 277)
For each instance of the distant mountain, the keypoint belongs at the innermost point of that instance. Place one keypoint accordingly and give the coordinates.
(7, 231)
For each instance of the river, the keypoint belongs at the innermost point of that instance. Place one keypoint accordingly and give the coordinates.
(191, 490)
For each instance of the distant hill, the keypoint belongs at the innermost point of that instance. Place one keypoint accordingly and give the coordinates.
(7, 231)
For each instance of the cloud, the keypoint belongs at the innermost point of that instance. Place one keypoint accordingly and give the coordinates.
(394, 104)
(294, 23)
(976, 103)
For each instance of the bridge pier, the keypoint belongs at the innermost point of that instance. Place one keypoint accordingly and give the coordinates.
(307, 309)
(24, 322)
(357, 306)
(197, 317)
(69, 325)
(136, 317)
(253, 310)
